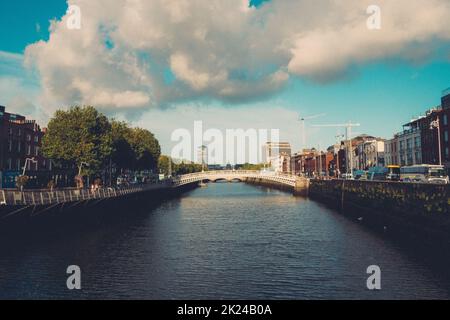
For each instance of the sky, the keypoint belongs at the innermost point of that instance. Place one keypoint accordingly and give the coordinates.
(232, 64)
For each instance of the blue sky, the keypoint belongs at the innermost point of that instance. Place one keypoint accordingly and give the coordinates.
(26, 21)
(381, 95)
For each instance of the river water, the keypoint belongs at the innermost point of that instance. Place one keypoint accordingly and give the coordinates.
(225, 241)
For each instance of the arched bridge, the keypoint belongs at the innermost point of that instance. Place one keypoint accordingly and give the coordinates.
(239, 175)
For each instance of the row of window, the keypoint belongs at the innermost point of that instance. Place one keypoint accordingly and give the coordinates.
(30, 150)
(29, 137)
(410, 143)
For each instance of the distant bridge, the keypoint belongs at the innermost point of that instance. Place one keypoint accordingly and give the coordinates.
(239, 175)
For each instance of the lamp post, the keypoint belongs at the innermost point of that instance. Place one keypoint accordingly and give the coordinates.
(436, 125)
(26, 162)
(81, 167)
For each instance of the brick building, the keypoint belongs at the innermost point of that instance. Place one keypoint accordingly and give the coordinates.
(20, 139)
(419, 142)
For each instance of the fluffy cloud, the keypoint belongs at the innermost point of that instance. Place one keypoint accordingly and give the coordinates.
(134, 54)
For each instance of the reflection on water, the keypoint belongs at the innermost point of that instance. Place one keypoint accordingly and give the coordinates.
(226, 241)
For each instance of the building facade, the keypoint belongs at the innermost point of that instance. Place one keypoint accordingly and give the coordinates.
(369, 152)
(202, 155)
(424, 140)
(272, 150)
(391, 152)
(20, 143)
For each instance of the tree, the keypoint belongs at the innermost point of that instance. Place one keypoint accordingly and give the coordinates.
(146, 149)
(79, 135)
(123, 155)
(184, 168)
(165, 164)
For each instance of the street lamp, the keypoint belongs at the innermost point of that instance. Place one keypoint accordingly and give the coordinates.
(26, 162)
(81, 167)
(435, 125)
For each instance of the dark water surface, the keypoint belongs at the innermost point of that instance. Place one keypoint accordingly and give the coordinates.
(226, 241)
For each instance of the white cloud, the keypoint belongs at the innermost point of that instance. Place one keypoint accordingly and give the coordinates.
(139, 53)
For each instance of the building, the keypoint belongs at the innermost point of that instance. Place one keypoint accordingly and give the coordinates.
(430, 138)
(281, 163)
(360, 153)
(272, 150)
(391, 155)
(202, 155)
(312, 163)
(418, 143)
(20, 143)
(369, 152)
(298, 161)
(405, 149)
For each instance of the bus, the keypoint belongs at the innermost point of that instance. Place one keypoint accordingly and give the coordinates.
(390, 173)
(377, 173)
(393, 173)
(424, 173)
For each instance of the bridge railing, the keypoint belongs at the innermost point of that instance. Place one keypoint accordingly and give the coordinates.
(49, 197)
(188, 178)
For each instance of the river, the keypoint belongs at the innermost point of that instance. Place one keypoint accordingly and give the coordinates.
(225, 241)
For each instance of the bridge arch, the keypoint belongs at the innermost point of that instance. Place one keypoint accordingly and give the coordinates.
(239, 175)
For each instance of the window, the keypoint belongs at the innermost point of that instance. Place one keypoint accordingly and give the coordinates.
(28, 150)
(36, 151)
(10, 145)
(36, 139)
(417, 142)
(446, 153)
(19, 145)
(18, 164)
(408, 144)
(418, 158)
(9, 163)
(445, 120)
(402, 160)
(446, 136)
(28, 137)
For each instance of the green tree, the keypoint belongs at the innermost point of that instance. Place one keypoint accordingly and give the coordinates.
(186, 168)
(123, 155)
(79, 135)
(250, 166)
(146, 149)
(165, 165)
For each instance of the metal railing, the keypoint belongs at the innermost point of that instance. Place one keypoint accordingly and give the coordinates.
(49, 197)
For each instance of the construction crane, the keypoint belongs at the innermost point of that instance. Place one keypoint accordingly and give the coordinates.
(348, 137)
(302, 120)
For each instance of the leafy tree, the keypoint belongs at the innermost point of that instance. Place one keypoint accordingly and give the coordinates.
(165, 164)
(123, 155)
(186, 168)
(250, 166)
(79, 135)
(83, 135)
(146, 149)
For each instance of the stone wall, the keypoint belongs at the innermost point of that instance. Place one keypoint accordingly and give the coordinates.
(417, 209)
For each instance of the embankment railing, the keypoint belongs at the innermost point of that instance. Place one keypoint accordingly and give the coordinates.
(48, 197)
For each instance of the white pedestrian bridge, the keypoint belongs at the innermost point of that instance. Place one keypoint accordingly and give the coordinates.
(236, 175)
